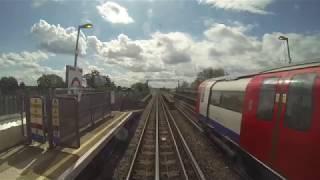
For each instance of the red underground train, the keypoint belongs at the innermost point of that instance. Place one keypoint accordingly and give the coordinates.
(273, 116)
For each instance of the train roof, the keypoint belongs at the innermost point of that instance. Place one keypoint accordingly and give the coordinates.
(293, 66)
(278, 69)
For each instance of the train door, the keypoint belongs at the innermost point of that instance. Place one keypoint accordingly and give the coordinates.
(295, 153)
(204, 98)
(260, 120)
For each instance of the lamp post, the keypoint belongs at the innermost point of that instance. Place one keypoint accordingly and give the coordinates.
(85, 26)
(283, 38)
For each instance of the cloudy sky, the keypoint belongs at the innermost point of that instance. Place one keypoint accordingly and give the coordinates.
(135, 40)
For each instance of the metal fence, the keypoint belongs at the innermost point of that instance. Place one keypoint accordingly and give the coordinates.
(11, 121)
(10, 105)
(188, 91)
(125, 100)
(93, 107)
(64, 122)
(62, 117)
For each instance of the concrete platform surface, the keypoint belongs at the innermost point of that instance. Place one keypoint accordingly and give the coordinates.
(36, 162)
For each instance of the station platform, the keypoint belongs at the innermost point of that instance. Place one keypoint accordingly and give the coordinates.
(37, 162)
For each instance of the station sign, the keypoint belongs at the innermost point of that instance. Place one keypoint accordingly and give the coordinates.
(36, 119)
(74, 77)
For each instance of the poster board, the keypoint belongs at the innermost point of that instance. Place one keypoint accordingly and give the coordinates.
(73, 77)
(55, 120)
(36, 119)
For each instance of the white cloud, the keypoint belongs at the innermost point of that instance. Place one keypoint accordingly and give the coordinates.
(150, 55)
(175, 47)
(177, 55)
(25, 56)
(57, 39)
(25, 66)
(150, 13)
(38, 3)
(252, 6)
(230, 37)
(114, 13)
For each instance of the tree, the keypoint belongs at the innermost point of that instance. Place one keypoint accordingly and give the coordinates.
(109, 84)
(98, 81)
(140, 87)
(184, 85)
(90, 77)
(22, 85)
(207, 74)
(95, 73)
(210, 73)
(50, 81)
(8, 85)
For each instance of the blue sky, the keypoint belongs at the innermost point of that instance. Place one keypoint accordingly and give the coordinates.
(154, 38)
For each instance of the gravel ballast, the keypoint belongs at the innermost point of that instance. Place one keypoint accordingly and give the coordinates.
(211, 159)
(124, 164)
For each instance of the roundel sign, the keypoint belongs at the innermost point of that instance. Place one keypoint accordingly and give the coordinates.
(73, 77)
(75, 82)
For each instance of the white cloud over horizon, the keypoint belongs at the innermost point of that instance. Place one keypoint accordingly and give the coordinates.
(165, 55)
(56, 39)
(252, 6)
(39, 3)
(114, 13)
(25, 66)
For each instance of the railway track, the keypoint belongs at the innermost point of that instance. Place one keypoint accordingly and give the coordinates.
(162, 152)
(143, 162)
(189, 114)
(187, 107)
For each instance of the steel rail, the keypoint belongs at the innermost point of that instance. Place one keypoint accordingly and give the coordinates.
(139, 142)
(190, 111)
(194, 163)
(174, 141)
(189, 119)
(190, 107)
(157, 166)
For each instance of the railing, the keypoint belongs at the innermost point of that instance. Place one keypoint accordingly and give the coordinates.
(186, 90)
(93, 107)
(60, 119)
(128, 100)
(57, 117)
(10, 105)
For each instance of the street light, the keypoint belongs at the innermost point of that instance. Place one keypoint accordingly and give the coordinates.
(283, 38)
(85, 26)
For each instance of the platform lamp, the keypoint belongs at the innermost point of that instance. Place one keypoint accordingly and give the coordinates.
(283, 38)
(84, 26)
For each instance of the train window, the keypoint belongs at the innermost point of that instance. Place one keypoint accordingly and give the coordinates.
(202, 95)
(299, 107)
(266, 99)
(215, 98)
(232, 100)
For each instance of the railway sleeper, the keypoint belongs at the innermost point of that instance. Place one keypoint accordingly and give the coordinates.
(143, 163)
(170, 174)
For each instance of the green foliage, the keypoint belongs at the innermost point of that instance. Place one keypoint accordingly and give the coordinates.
(95, 73)
(50, 81)
(207, 74)
(140, 87)
(22, 85)
(184, 85)
(8, 85)
(210, 73)
(100, 82)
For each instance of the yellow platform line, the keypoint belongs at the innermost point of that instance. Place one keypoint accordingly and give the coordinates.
(67, 158)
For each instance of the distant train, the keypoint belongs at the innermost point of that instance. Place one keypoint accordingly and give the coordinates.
(273, 116)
